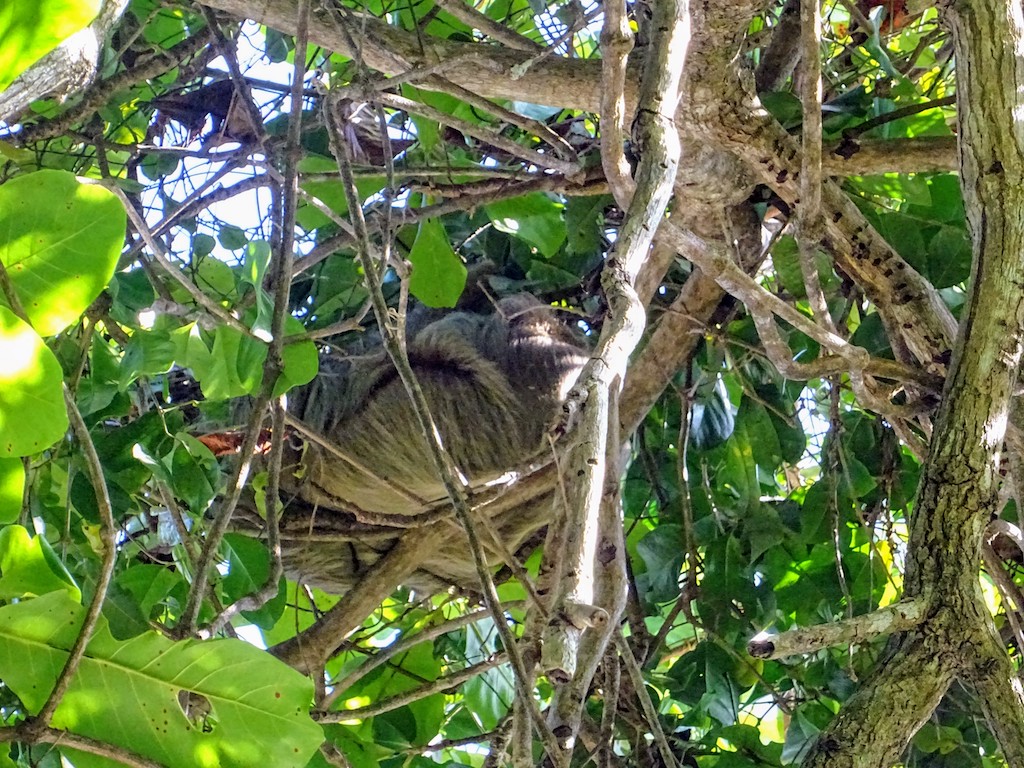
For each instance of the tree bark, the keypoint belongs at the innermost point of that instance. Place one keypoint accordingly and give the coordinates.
(65, 70)
(959, 487)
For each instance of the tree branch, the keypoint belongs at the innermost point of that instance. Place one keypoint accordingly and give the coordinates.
(901, 617)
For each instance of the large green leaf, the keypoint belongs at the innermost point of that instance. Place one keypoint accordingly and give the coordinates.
(29, 566)
(332, 194)
(300, 360)
(188, 468)
(60, 240)
(245, 708)
(663, 551)
(233, 366)
(249, 568)
(438, 275)
(535, 218)
(29, 29)
(12, 489)
(489, 695)
(32, 411)
(415, 723)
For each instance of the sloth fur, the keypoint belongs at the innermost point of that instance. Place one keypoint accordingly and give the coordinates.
(361, 475)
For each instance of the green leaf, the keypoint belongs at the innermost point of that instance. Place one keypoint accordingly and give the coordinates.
(188, 468)
(254, 273)
(157, 166)
(151, 586)
(60, 241)
(784, 107)
(871, 335)
(417, 722)
(763, 530)
(949, 260)
(549, 276)
(332, 194)
(232, 367)
(165, 27)
(535, 219)
(245, 707)
(786, 258)
(195, 474)
(438, 275)
(28, 566)
(249, 568)
(29, 29)
(712, 421)
(856, 478)
(338, 289)
(232, 238)
(275, 46)
(584, 223)
(815, 513)
(764, 441)
(489, 695)
(32, 411)
(203, 245)
(737, 477)
(300, 360)
(214, 276)
(257, 262)
(12, 489)
(938, 738)
(147, 353)
(663, 552)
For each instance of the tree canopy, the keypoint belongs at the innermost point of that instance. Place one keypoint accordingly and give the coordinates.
(790, 474)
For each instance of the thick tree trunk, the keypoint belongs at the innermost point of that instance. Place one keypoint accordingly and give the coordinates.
(959, 487)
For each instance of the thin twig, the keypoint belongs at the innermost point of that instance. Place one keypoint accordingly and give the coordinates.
(470, 16)
(190, 615)
(636, 678)
(531, 126)
(159, 255)
(58, 738)
(402, 646)
(394, 343)
(281, 280)
(489, 137)
(108, 538)
(442, 684)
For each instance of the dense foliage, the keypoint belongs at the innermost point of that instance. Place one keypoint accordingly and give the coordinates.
(757, 496)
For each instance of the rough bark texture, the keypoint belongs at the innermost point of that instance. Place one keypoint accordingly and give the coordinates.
(723, 127)
(958, 491)
(918, 321)
(65, 70)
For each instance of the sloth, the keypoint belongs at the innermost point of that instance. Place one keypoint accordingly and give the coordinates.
(357, 472)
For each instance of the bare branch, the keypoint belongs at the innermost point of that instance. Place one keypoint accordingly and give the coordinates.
(900, 617)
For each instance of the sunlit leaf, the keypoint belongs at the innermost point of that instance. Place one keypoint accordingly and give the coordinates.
(29, 29)
(32, 411)
(60, 240)
(28, 566)
(12, 489)
(245, 708)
